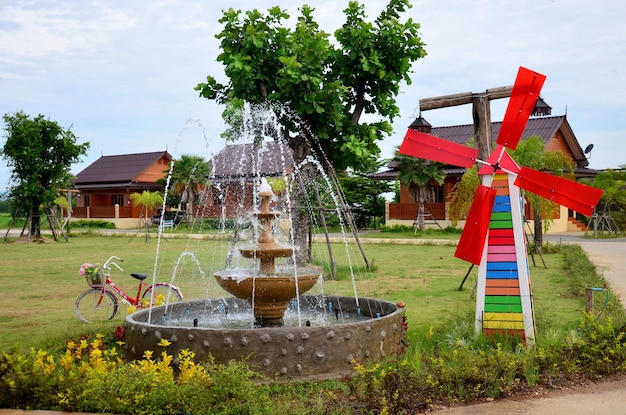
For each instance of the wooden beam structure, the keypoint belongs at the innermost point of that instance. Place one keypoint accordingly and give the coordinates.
(481, 112)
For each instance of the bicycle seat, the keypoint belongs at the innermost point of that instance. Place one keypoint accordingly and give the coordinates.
(140, 277)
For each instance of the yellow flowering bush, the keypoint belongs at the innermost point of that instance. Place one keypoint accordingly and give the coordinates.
(90, 377)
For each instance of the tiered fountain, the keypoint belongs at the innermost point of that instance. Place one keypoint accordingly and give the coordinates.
(268, 322)
(268, 292)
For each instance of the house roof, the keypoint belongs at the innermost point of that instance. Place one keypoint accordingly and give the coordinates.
(117, 170)
(544, 127)
(237, 161)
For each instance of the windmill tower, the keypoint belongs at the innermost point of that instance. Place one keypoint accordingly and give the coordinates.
(493, 236)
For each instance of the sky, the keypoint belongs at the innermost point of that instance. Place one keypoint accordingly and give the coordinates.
(122, 74)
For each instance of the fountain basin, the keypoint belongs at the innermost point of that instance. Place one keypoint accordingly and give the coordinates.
(269, 294)
(289, 352)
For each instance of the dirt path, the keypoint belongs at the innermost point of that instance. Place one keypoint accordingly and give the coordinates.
(604, 398)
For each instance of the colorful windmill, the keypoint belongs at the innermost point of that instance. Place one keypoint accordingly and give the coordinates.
(493, 237)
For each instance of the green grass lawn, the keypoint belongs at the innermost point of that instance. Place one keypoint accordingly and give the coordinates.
(40, 281)
(5, 221)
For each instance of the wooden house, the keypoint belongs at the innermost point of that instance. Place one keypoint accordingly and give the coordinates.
(234, 172)
(105, 186)
(555, 130)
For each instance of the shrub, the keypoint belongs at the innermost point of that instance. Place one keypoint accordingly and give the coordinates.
(89, 377)
(96, 223)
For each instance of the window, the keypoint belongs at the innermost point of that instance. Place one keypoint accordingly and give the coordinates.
(87, 200)
(117, 200)
(218, 197)
(439, 194)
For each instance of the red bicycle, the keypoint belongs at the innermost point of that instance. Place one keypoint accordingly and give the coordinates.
(100, 301)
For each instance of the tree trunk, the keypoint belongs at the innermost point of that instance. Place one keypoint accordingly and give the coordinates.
(35, 225)
(538, 229)
(299, 217)
(420, 217)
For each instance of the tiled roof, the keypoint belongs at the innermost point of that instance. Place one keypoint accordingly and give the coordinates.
(271, 158)
(118, 169)
(544, 127)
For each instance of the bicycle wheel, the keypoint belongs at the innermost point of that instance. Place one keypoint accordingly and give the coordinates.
(164, 293)
(95, 305)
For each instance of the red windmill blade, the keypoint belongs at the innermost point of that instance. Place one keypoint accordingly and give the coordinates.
(573, 195)
(523, 99)
(429, 147)
(472, 241)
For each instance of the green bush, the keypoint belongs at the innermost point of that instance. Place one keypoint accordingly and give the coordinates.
(95, 223)
(396, 229)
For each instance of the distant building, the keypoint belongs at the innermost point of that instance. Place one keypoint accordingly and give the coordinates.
(105, 186)
(234, 172)
(558, 135)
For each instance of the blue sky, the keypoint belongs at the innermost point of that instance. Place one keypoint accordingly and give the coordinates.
(122, 73)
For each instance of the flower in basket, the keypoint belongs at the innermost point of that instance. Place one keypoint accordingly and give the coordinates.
(90, 270)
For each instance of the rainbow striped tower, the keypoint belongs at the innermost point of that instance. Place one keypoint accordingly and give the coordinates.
(503, 301)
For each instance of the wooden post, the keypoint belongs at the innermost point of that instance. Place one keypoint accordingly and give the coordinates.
(481, 112)
(588, 300)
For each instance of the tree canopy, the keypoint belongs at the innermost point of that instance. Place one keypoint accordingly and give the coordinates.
(40, 153)
(189, 176)
(613, 201)
(330, 84)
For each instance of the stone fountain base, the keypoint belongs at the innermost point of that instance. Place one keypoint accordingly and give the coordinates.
(285, 353)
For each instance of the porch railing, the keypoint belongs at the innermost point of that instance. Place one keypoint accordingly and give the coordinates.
(102, 212)
(408, 211)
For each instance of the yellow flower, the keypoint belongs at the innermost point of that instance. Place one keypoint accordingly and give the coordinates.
(164, 343)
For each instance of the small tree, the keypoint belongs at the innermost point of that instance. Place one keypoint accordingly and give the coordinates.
(612, 205)
(421, 177)
(363, 196)
(40, 152)
(149, 202)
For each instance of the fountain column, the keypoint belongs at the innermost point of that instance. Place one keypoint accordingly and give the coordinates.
(269, 292)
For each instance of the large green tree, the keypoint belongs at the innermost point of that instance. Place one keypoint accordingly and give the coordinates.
(40, 153)
(329, 84)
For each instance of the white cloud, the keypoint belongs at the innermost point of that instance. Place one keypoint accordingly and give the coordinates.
(122, 73)
(45, 31)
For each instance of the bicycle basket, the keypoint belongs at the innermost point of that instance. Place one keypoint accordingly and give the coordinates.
(94, 278)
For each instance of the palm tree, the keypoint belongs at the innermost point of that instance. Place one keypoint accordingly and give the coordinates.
(188, 177)
(148, 201)
(420, 176)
